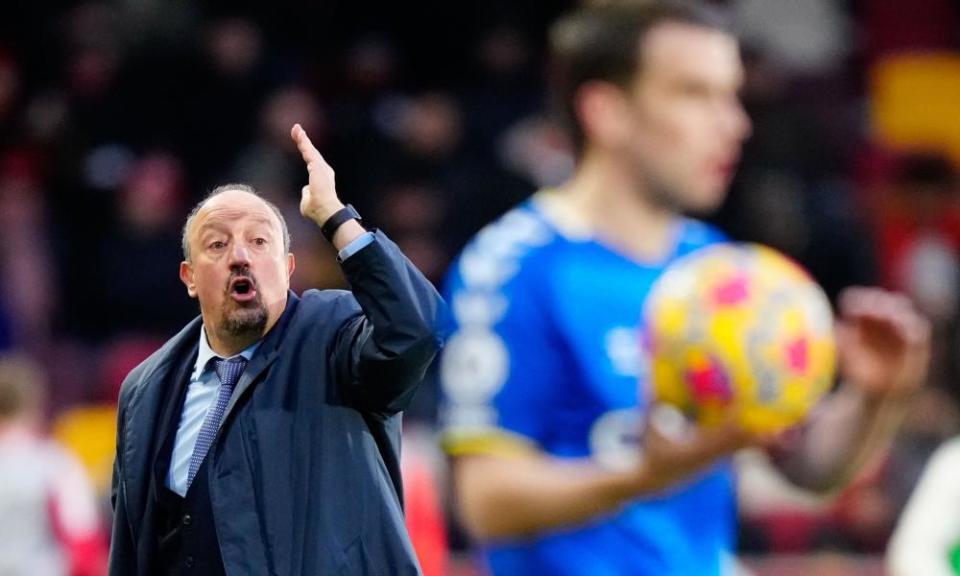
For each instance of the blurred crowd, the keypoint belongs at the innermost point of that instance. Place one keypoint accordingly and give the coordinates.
(117, 117)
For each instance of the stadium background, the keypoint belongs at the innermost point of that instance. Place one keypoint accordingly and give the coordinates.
(116, 117)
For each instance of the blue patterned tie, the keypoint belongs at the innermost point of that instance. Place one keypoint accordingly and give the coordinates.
(229, 372)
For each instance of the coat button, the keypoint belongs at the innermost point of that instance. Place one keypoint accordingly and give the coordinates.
(187, 520)
(188, 562)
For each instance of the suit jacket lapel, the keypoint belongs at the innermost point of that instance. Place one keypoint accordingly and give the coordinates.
(141, 430)
(175, 384)
(141, 421)
(265, 355)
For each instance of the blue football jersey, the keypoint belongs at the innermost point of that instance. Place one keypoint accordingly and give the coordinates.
(545, 353)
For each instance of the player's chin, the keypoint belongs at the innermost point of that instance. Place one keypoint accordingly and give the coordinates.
(707, 199)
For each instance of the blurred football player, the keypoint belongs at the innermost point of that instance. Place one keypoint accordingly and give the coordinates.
(557, 467)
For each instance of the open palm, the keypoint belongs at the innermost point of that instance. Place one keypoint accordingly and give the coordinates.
(882, 341)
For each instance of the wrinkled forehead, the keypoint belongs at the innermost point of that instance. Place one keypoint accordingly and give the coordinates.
(232, 207)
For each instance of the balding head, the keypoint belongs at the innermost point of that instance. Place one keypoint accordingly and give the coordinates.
(219, 190)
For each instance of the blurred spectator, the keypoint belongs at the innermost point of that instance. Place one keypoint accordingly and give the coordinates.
(805, 38)
(48, 517)
(920, 234)
(415, 215)
(430, 132)
(270, 163)
(537, 150)
(89, 428)
(142, 252)
(927, 539)
(507, 88)
(93, 57)
(27, 277)
(371, 67)
(358, 133)
(224, 91)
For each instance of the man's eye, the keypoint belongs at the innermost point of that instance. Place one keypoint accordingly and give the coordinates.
(217, 244)
(260, 241)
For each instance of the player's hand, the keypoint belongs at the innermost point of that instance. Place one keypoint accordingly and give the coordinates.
(319, 198)
(674, 449)
(883, 343)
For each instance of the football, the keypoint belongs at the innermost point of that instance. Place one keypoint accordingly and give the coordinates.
(739, 330)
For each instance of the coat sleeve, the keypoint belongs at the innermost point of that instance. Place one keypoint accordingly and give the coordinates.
(122, 558)
(383, 353)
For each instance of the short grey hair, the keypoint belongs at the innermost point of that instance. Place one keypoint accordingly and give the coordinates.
(184, 237)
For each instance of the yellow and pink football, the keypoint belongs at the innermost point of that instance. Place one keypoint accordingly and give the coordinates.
(739, 329)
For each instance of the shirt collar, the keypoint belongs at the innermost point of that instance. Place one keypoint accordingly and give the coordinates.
(206, 354)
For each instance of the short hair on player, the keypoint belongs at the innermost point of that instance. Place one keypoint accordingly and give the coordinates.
(603, 40)
(185, 235)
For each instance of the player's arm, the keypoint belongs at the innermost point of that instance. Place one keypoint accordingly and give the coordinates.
(883, 346)
(506, 373)
(512, 495)
(929, 529)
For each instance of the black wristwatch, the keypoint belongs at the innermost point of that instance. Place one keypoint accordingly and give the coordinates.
(334, 222)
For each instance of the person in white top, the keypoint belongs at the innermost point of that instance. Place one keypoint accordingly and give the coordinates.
(927, 538)
(49, 521)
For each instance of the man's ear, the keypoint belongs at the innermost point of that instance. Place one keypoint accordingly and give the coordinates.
(291, 265)
(603, 111)
(186, 276)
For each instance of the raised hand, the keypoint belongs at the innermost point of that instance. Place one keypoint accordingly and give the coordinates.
(319, 197)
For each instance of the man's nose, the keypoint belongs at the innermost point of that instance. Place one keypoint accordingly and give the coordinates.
(239, 255)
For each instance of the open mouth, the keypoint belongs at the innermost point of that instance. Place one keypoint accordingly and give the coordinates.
(242, 290)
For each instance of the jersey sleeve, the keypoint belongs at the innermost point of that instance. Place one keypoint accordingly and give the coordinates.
(502, 364)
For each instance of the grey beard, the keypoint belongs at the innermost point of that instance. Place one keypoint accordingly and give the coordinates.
(245, 321)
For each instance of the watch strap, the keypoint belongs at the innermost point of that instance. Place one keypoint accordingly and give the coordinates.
(329, 228)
